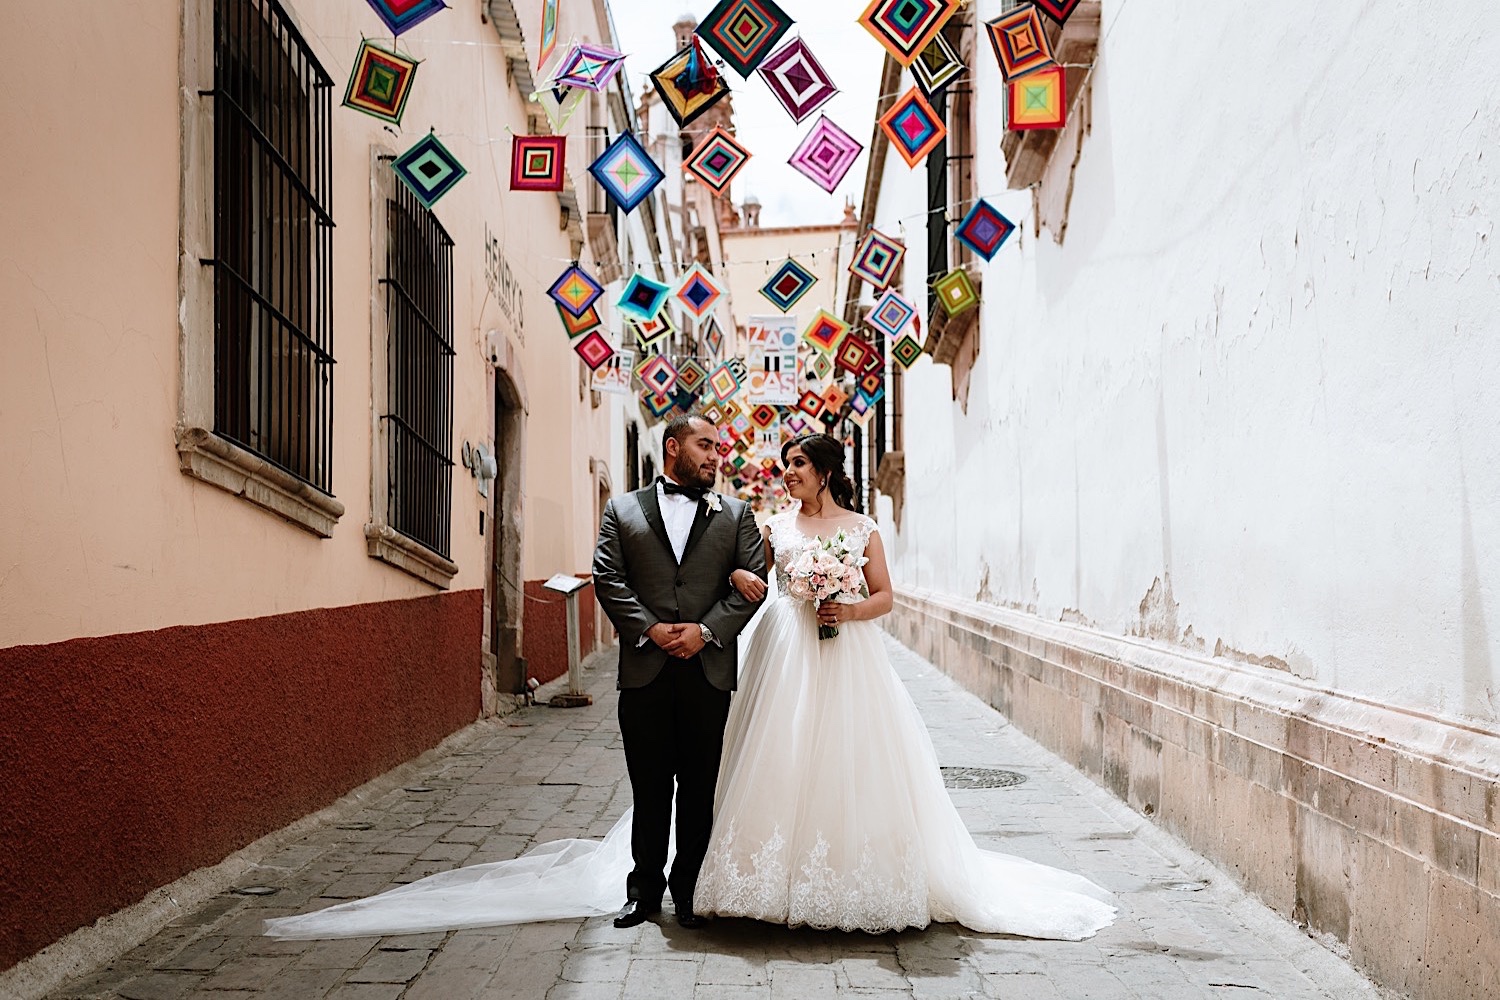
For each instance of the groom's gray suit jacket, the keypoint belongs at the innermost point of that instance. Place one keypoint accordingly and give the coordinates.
(638, 581)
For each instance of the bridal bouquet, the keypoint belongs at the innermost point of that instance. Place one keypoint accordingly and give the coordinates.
(826, 571)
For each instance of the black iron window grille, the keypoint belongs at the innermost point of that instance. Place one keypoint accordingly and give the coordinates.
(419, 371)
(273, 241)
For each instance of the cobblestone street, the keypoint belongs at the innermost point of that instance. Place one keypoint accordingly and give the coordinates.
(1183, 931)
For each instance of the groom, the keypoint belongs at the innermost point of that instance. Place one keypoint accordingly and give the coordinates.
(661, 572)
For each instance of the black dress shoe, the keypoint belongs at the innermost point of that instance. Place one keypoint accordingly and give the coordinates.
(691, 920)
(635, 912)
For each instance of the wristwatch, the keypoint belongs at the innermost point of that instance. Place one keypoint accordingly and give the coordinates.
(707, 634)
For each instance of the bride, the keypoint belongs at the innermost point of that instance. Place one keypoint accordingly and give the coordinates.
(830, 810)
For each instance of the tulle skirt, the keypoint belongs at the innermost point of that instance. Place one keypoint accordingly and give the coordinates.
(831, 810)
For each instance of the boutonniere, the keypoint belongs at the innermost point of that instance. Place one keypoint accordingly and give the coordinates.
(712, 499)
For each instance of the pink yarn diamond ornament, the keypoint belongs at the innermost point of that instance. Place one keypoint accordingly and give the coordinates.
(797, 79)
(826, 154)
(593, 349)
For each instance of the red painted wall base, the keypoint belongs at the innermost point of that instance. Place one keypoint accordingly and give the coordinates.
(130, 760)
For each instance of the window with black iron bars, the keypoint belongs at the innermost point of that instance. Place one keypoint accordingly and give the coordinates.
(419, 371)
(273, 241)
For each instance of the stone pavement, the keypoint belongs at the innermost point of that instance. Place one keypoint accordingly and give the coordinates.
(1183, 931)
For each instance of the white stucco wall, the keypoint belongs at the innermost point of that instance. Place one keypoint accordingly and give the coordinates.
(1260, 369)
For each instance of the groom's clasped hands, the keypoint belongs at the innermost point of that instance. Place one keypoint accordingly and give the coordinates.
(680, 641)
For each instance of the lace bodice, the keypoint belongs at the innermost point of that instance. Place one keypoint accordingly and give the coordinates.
(788, 541)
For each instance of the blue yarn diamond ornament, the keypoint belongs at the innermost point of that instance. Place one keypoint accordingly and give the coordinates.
(428, 169)
(626, 172)
(643, 297)
(984, 230)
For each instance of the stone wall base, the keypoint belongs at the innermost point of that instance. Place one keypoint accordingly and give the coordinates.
(1369, 824)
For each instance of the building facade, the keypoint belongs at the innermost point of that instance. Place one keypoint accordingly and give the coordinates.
(1205, 497)
(290, 451)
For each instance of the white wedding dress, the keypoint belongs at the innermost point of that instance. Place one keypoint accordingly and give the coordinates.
(830, 812)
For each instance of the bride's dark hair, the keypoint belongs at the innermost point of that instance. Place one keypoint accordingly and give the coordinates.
(827, 456)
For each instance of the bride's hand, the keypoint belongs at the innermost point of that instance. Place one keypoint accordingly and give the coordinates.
(750, 586)
(833, 613)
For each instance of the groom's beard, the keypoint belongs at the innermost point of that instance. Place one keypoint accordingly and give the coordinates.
(689, 474)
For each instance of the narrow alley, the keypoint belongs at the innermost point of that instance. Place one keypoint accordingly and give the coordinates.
(499, 786)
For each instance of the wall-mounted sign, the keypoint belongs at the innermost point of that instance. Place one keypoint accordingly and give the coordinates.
(503, 286)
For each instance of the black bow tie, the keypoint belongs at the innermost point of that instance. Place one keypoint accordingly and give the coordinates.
(691, 492)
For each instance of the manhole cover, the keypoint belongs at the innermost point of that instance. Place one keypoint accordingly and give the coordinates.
(1197, 886)
(418, 788)
(255, 890)
(354, 826)
(980, 777)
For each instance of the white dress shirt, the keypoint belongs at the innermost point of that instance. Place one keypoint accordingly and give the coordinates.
(678, 512)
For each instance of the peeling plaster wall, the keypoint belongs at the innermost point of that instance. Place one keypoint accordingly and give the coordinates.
(1248, 406)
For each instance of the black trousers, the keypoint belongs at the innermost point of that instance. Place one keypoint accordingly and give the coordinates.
(673, 730)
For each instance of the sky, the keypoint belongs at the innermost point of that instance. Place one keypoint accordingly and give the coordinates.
(847, 53)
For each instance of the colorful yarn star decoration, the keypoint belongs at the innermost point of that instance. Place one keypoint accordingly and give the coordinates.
(790, 282)
(826, 154)
(906, 351)
(548, 33)
(891, 313)
(577, 326)
(649, 333)
(852, 354)
(1058, 10)
(658, 404)
(428, 169)
(743, 31)
(643, 297)
(984, 230)
(1037, 100)
(936, 66)
(698, 290)
(691, 376)
(905, 27)
(575, 291)
(658, 374)
(712, 338)
(626, 172)
(590, 67)
(877, 259)
(1020, 42)
(403, 15)
(913, 127)
(380, 82)
(825, 331)
(717, 159)
(724, 383)
(688, 83)
(956, 291)
(594, 350)
(797, 79)
(537, 162)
